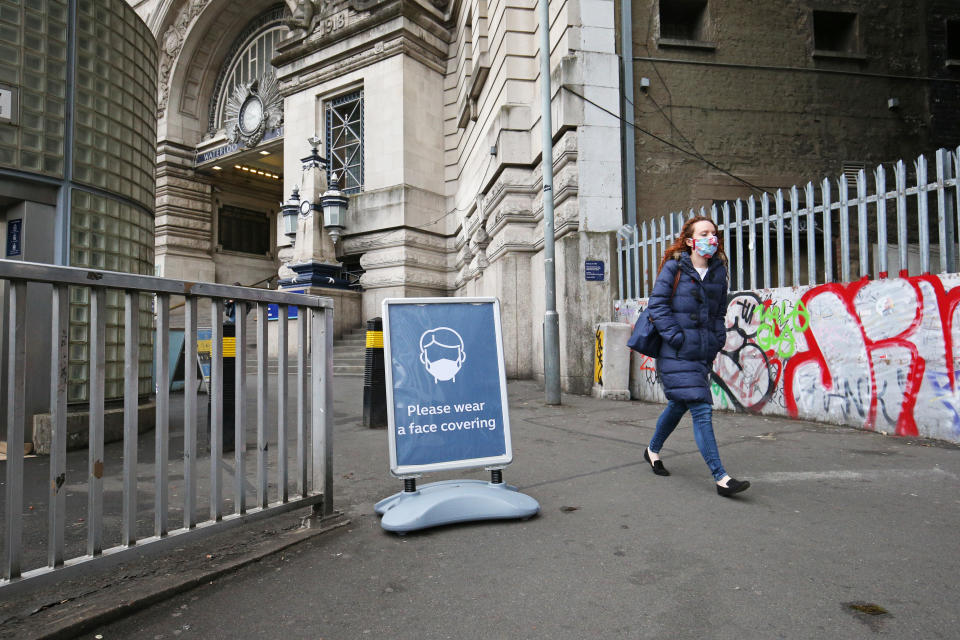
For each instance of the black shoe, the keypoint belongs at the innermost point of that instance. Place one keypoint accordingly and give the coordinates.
(734, 486)
(657, 466)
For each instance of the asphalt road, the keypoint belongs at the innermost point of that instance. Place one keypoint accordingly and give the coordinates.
(844, 534)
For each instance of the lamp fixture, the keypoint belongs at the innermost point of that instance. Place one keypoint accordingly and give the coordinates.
(290, 211)
(334, 203)
(257, 172)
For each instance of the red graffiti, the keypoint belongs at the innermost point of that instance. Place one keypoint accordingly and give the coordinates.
(647, 363)
(906, 339)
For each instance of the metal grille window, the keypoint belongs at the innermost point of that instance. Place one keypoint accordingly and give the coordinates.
(243, 230)
(345, 140)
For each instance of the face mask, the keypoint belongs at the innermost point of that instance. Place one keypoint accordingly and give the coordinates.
(443, 369)
(707, 246)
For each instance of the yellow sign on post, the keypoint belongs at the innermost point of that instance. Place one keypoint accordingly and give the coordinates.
(598, 359)
(229, 347)
(205, 351)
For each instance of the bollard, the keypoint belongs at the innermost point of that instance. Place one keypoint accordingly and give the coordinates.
(229, 386)
(374, 378)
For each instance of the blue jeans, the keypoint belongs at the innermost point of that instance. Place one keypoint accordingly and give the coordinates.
(702, 414)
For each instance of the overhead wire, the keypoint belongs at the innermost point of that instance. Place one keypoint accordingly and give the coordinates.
(664, 141)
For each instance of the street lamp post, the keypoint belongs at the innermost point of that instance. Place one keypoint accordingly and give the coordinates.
(551, 320)
(314, 218)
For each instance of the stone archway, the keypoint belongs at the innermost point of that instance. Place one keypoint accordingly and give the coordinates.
(215, 203)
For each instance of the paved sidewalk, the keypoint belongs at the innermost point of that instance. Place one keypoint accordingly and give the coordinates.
(836, 519)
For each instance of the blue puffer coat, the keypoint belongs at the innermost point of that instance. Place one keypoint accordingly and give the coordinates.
(691, 323)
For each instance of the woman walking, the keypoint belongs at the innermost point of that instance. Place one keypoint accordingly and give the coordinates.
(687, 306)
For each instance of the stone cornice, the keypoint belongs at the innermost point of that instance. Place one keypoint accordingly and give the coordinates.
(398, 237)
(400, 42)
(415, 44)
(379, 281)
(403, 257)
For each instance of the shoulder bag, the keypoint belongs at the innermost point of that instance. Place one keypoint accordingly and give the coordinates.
(645, 338)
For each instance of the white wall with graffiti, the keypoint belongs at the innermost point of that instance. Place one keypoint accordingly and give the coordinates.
(876, 354)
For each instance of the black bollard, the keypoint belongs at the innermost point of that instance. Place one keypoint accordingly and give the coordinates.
(374, 378)
(229, 387)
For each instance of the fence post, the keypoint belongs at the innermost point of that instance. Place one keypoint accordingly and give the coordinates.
(765, 214)
(900, 182)
(58, 420)
(161, 430)
(131, 375)
(16, 388)
(322, 410)
(621, 260)
(752, 242)
(643, 260)
(827, 200)
(795, 233)
(811, 234)
(190, 414)
(844, 197)
(880, 179)
(862, 240)
(923, 211)
(738, 208)
(945, 212)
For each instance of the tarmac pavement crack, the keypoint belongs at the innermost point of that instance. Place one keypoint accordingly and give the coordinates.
(540, 423)
(587, 474)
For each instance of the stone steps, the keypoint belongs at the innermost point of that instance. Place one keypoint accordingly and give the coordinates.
(349, 357)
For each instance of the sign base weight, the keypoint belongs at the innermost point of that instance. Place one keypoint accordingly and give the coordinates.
(451, 501)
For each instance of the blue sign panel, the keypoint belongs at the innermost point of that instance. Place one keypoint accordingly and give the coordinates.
(446, 386)
(594, 270)
(273, 310)
(14, 237)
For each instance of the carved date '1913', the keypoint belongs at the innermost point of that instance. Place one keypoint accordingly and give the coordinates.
(333, 23)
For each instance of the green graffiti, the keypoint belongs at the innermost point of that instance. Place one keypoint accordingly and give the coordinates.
(720, 395)
(778, 328)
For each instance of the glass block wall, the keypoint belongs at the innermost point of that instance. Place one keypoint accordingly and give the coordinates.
(112, 235)
(33, 58)
(114, 151)
(116, 104)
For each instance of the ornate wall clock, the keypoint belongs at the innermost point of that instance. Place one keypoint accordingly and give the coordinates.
(252, 110)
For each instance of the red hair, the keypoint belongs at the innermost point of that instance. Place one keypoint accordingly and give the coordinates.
(679, 245)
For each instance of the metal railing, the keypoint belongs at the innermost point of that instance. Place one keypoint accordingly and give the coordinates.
(312, 462)
(862, 230)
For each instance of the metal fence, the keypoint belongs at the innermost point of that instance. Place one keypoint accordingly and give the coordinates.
(829, 234)
(312, 480)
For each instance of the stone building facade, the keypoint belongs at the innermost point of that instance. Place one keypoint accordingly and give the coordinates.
(429, 113)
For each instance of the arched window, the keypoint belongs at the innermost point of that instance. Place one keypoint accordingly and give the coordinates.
(248, 59)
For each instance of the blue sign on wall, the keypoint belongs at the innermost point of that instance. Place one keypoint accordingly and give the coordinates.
(14, 237)
(446, 385)
(273, 310)
(593, 269)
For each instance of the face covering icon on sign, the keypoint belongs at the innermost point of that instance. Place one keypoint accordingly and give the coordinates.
(441, 352)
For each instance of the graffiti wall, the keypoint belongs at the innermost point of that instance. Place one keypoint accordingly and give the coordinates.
(874, 354)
